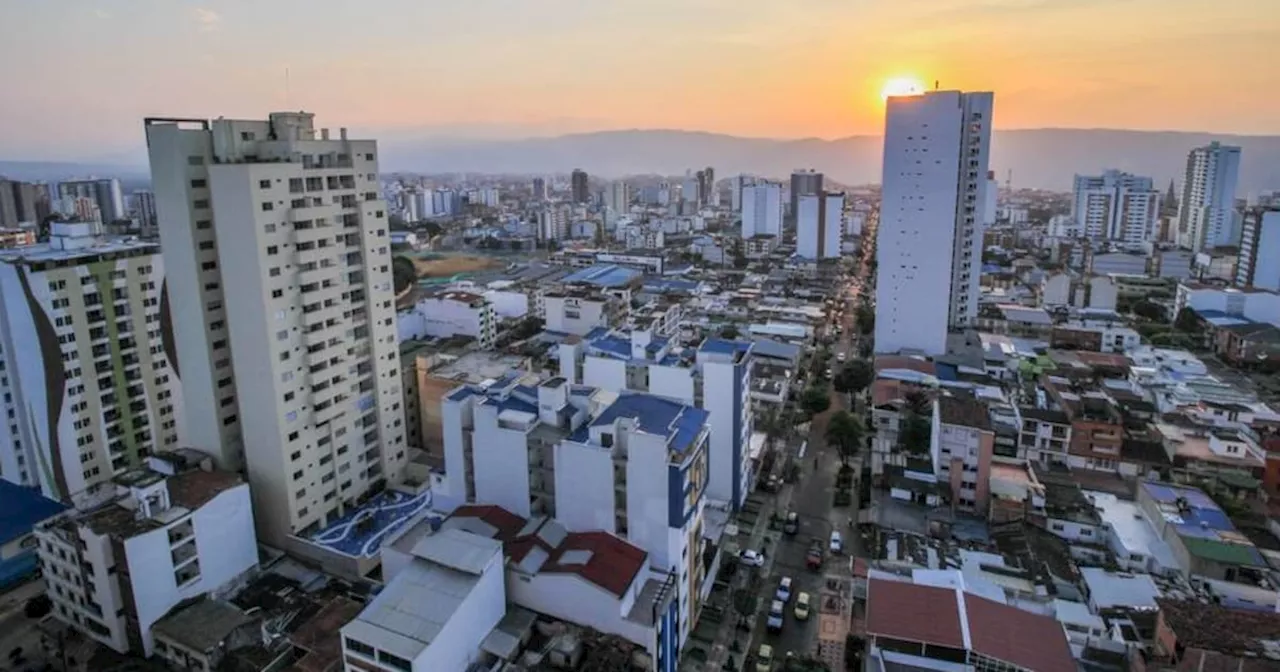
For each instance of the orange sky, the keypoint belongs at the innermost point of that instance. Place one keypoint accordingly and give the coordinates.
(748, 67)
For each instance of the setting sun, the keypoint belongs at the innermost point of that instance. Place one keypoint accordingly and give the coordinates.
(901, 86)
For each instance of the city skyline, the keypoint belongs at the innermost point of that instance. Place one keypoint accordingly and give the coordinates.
(490, 69)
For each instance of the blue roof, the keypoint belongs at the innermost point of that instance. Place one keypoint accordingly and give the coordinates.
(617, 345)
(663, 285)
(463, 393)
(723, 346)
(948, 372)
(680, 423)
(606, 275)
(23, 507)
(767, 347)
(1202, 518)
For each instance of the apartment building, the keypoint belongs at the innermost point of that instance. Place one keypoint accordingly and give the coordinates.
(577, 311)
(936, 151)
(762, 210)
(819, 223)
(804, 183)
(454, 313)
(16, 238)
(104, 192)
(1258, 264)
(630, 464)
(285, 317)
(87, 368)
(963, 445)
(175, 529)
(1116, 206)
(1206, 210)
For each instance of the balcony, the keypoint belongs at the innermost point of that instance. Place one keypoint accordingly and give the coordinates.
(314, 255)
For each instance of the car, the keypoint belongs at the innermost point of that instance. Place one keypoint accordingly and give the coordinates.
(774, 623)
(764, 659)
(828, 373)
(751, 558)
(783, 594)
(813, 559)
(802, 607)
(837, 543)
(841, 357)
(792, 525)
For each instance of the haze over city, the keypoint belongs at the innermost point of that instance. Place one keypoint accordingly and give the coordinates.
(494, 68)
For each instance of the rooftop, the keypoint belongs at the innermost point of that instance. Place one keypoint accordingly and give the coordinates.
(680, 423)
(964, 411)
(43, 253)
(188, 490)
(604, 275)
(23, 507)
(1119, 590)
(360, 532)
(203, 625)
(1238, 632)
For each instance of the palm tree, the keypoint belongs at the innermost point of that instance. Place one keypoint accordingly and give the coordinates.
(845, 432)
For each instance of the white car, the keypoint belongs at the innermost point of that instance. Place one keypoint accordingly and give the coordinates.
(751, 558)
(783, 594)
(837, 543)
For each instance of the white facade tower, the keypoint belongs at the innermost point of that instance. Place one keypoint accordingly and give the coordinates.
(762, 210)
(929, 246)
(1206, 211)
(1116, 206)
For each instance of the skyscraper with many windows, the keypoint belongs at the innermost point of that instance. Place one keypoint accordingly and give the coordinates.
(284, 313)
(1206, 214)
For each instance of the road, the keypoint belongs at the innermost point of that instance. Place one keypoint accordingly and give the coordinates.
(18, 631)
(812, 498)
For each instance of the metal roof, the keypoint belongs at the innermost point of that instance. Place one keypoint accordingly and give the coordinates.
(458, 550)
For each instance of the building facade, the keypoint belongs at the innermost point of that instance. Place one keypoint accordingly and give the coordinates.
(1116, 206)
(286, 328)
(936, 151)
(1206, 211)
(86, 362)
(1259, 262)
(450, 314)
(804, 183)
(104, 192)
(762, 210)
(580, 190)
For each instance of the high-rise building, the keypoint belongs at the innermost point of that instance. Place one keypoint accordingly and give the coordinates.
(929, 241)
(707, 186)
(762, 210)
(88, 367)
(691, 190)
(1259, 262)
(1116, 206)
(804, 183)
(143, 209)
(539, 189)
(580, 191)
(1206, 211)
(105, 192)
(284, 310)
(618, 198)
(8, 205)
(819, 220)
(736, 187)
(22, 203)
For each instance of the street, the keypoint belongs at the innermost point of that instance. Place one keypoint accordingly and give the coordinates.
(18, 631)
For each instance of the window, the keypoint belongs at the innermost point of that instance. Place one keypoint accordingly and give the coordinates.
(275, 272)
(195, 160)
(277, 293)
(199, 184)
(200, 204)
(360, 647)
(205, 245)
(268, 206)
(264, 184)
(203, 224)
(272, 250)
(394, 662)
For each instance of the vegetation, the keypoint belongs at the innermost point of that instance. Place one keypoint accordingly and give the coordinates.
(403, 273)
(729, 332)
(1148, 310)
(866, 319)
(845, 433)
(1187, 321)
(916, 431)
(815, 400)
(854, 377)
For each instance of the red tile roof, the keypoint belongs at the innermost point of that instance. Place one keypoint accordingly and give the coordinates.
(613, 564)
(1015, 636)
(902, 362)
(916, 613)
(508, 524)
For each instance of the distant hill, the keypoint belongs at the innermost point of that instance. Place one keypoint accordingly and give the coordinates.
(1041, 158)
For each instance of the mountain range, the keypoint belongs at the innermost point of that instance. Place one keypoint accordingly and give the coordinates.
(1038, 158)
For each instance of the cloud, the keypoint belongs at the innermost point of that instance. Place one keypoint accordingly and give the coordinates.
(206, 19)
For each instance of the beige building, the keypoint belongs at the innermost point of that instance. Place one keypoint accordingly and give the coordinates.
(284, 311)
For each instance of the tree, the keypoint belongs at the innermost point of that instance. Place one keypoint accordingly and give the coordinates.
(845, 433)
(854, 377)
(729, 332)
(815, 400)
(866, 319)
(403, 273)
(915, 434)
(916, 402)
(1148, 310)
(1187, 321)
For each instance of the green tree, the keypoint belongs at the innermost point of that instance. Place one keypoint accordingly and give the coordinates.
(866, 319)
(1148, 310)
(845, 433)
(854, 377)
(915, 434)
(1187, 321)
(403, 273)
(815, 400)
(729, 332)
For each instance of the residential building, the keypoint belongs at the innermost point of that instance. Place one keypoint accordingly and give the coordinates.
(539, 186)
(580, 191)
(453, 313)
(174, 530)
(963, 446)
(104, 192)
(1192, 635)
(1206, 211)
(1258, 264)
(804, 183)
(1253, 305)
(707, 186)
(578, 310)
(143, 209)
(618, 198)
(762, 210)
(936, 151)
(1203, 540)
(819, 220)
(22, 203)
(86, 362)
(1116, 206)
(691, 189)
(553, 223)
(17, 237)
(737, 186)
(285, 319)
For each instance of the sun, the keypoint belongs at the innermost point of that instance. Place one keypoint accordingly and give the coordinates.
(901, 86)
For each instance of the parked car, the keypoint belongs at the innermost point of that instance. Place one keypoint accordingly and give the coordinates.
(802, 607)
(837, 543)
(840, 357)
(792, 524)
(813, 559)
(783, 594)
(751, 558)
(774, 624)
(764, 659)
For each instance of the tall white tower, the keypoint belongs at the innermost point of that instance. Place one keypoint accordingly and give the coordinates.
(284, 314)
(762, 210)
(929, 245)
(1116, 206)
(1206, 212)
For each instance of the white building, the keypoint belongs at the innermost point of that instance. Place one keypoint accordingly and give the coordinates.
(1259, 262)
(297, 283)
(86, 362)
(936, 150)
(553, 223)
(454, 313)
(618, 197)
(634, 465)
(819, 220)
(1206, 211)
(578, 312)
(1116, 205)
(1256, 305)
(143, 209)
(737, 185)
(762, 210)
(175, 530)
(990, 205)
